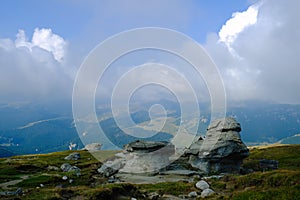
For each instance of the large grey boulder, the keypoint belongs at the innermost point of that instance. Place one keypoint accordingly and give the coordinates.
(222, 150)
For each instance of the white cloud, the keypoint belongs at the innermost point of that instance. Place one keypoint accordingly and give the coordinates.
(30, 71)
(44, 39)
(267, 65)
(237, 24)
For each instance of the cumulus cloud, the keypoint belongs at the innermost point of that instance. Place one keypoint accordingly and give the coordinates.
(44, 39)
(29, 70)
(262, 59)
(239, 22)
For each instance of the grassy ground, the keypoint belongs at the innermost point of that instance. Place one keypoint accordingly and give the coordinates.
(283, 183)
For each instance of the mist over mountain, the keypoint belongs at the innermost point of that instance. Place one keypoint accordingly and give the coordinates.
(28, 128)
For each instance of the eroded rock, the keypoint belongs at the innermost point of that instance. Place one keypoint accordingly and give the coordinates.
(73, 156)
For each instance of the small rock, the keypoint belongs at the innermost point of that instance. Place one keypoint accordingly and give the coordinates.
(207, 192)
(202, 185)
(65, 167)
(18, 191)
(73, 156)
(106, 171)
(71, 181)
(60, 186)
(78, 174)
(74, 169)
(153, 196)
(42, 185)
(193, 194)
(64, 178)
(132, 198)
(52, 168)
(93, 147)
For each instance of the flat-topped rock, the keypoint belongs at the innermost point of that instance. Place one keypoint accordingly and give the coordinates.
(225, 124)
(144, 146)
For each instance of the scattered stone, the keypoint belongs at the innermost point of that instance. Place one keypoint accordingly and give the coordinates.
(64, 178)
(71, 181)
(73, 156)
(207, 192)
(193, 194)
(153, 196)
(107, 170)
(74, 169)
(42, 185)
(268, 164)
(132, 198)
(19, 191)
(65, 167)
(93, 147)
(52, 168)
(202, 185)
(59, 186)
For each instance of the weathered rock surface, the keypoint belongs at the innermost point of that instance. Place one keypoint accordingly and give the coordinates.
(66, 167)
(73, 156)
(19, 191)
(192, 194)
(207, 192)
(222, 150)
(144, 146)
(202, 185)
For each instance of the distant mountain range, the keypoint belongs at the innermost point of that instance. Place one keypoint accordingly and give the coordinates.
(27, 128)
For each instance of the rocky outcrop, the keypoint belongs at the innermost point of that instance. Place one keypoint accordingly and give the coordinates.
(222, 150)
(139, 157)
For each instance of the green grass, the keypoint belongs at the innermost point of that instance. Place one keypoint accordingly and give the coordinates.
(283, 183)
(174, 188)
(288, 157)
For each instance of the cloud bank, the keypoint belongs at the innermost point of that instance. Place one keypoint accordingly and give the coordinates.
(257, 52)
(32, 70)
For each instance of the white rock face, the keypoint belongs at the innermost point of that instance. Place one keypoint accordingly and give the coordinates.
(202, 185)
(207, 192)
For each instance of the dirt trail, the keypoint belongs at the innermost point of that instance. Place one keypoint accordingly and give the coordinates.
(14, 182)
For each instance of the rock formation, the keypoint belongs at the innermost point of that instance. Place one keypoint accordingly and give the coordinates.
(221, 151)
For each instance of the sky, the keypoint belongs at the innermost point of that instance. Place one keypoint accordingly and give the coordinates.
(254, 43)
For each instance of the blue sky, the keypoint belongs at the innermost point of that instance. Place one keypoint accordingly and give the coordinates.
(253, 42)
(73, 19)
